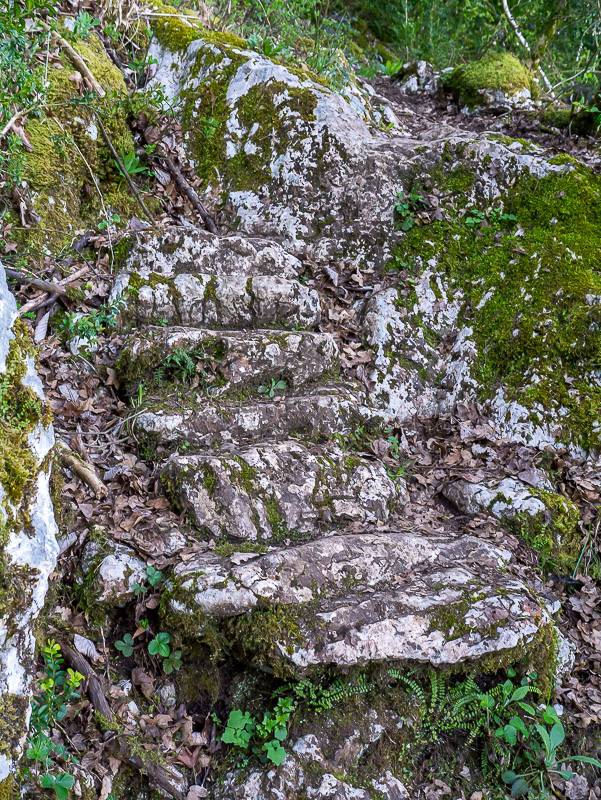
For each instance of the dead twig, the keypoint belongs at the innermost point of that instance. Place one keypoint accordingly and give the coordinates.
(124, 172)
(77, 59)
(185, 188)
(83, 469)
(169, 780)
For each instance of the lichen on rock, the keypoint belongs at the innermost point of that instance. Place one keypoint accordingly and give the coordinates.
(28, 547)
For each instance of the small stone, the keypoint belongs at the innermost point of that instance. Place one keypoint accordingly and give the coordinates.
(577, 788)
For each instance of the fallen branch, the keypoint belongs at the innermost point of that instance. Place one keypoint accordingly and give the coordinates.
(29, 280)
(83, 469)
(76, 59)
(93, 683)
(186, 188)
(170, 781)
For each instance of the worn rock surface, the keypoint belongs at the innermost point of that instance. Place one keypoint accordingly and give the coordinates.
(28, 546)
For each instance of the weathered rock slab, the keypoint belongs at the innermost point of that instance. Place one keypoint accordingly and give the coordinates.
(28, 544)
(318, 414)
(173, 251)
(281, 491)
(355, 599)
(235, 360)
(235, 301)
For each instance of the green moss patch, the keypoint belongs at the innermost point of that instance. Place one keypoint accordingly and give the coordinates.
(530, 276)
(72, 179)
(555, 535)
(495, 71)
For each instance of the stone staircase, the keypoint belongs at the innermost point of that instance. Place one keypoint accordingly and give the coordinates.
(303, 558)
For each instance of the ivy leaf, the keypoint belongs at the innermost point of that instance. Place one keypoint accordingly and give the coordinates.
(275, 752)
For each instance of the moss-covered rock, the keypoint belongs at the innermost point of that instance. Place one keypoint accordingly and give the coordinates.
(70, 179)
(282, 151)
(497, 79)
(28, 548)
(521, 265)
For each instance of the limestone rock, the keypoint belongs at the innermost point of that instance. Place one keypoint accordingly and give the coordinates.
(280, 491)
(235, 301)
(354, 599)
(28, 544)
(318, 414)
(313, 769)
(172, 251)
(110, 576)
(417, 77)
(546, 520)
(310, 168)
(228, 361)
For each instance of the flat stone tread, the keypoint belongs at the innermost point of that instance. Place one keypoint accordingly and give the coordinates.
(371, 560)
(240, 358)
(193, 250)
(320, 413)
(281, 491)
(228, 301)
(352, 599)
(465, 620)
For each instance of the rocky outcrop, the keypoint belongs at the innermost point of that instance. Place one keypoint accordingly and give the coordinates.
(251, 435)
(28, 546)
(314, 171)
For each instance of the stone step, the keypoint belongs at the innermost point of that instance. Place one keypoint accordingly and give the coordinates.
(351, 599)
(281, 492)
(172, 251)
(199, 424)
(207, 300)
(226, 360)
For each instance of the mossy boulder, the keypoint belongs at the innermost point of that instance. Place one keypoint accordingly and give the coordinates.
(509, 280)
(498, 80)
(549, 522)
(28, 547)
(70, 180)
(287, 157)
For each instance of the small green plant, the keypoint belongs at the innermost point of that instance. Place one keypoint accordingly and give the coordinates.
(521, 738)
(173, 662)
(178, 365)
(154, 577)
(88, 327)
(58, 689)
(406, 207)
(60, 784)
(111, 221)
(474, 218)
(210, 126)
(392, 67)
(84, 25)
(132, 165)
(125, 645)
(159, 646)
(265, 737)
(272, 388)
